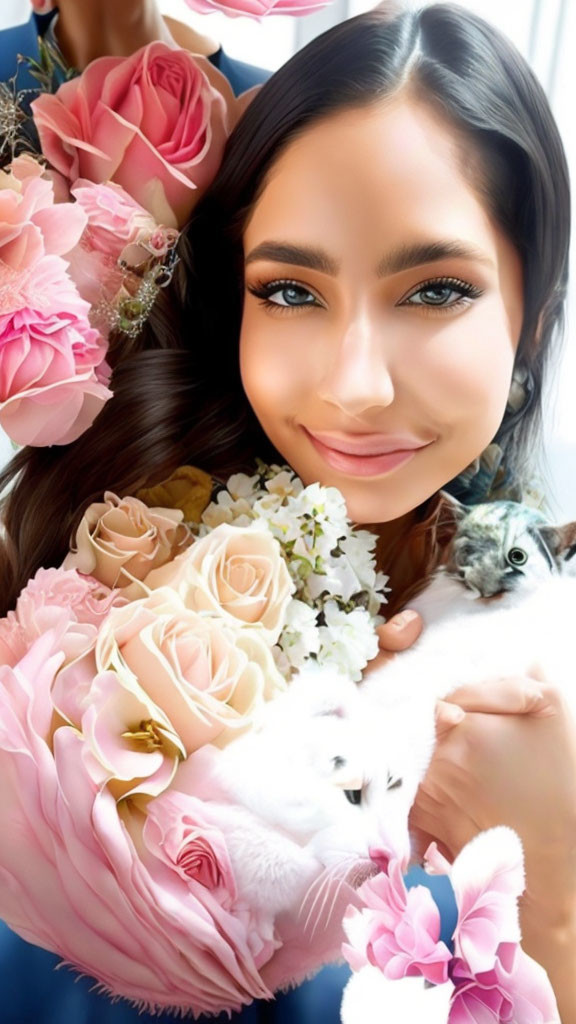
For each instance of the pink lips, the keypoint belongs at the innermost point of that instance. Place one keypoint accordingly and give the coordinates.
(365, 454)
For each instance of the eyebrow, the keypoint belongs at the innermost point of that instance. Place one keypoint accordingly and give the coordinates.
(404, 258)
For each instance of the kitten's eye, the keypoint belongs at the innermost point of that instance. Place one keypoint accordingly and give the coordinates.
(393, 783)
(353, 796)
(516, 556)
(338, 762)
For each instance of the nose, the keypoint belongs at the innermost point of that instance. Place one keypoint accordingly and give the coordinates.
(359, 377)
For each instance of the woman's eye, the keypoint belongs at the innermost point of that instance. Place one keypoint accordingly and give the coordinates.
(284, 294)
(442, 294)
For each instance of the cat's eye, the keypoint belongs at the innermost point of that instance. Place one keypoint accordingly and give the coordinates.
(353, 796)
(338, 762)
(393, 783)
(516, 556)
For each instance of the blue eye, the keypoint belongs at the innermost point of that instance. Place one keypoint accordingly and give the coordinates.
(284, 294)
(442, 293)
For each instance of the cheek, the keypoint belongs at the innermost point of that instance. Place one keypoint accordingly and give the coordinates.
(466, 375)
(274, 376)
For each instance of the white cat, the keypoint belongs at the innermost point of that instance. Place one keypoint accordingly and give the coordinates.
(326, 779)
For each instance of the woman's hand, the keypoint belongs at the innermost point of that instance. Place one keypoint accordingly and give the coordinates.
(512, 760)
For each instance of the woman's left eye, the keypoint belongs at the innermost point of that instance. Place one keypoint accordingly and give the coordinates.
(442, 294)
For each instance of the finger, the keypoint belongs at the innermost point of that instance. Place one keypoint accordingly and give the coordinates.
(447, 716)
(400, 632)
(513, 695)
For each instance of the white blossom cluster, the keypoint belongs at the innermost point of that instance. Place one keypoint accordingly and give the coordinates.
(338, 592)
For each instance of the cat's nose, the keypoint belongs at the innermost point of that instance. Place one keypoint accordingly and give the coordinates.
(380, 856)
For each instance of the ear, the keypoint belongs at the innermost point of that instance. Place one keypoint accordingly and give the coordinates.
(561, 543)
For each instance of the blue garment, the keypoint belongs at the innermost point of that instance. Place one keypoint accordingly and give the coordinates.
(24, 40)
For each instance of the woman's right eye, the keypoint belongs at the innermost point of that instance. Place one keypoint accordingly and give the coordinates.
(286, 294)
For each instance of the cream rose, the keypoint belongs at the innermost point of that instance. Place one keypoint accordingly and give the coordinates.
(206, 679)
(120, 540)
(236, 573)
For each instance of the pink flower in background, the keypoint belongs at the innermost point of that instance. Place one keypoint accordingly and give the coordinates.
(257, 8)
(154, 123)
(52, 369)
(32, 225)
(398, 930)
(116, 224)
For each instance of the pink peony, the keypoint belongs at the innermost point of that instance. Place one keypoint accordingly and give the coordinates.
(257, 8)
(52, 368)
(155, 123)
(76, 877)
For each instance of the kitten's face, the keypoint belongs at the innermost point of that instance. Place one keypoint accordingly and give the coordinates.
(318, 770)
(499, 547)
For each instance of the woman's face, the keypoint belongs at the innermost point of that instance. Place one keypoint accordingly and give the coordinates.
(383, 309)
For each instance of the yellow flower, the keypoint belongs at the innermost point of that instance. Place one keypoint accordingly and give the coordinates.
(188, 489)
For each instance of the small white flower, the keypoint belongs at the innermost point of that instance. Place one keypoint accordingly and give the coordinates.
(348, 640)
(285, 484)
(242, 486)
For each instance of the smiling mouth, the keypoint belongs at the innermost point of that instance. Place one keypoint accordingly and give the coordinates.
(368, 463)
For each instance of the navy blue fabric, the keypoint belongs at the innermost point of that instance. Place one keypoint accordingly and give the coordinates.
(24, 40)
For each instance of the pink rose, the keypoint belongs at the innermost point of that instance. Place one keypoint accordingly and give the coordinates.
(257, 8)
(32, 225)
(237, 574)
(77, 879)
(179, 830)
(52, 370)
(120, 540)
(154, 123)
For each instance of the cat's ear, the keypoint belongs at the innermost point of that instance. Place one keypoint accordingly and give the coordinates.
(452, 511)
(561, 543)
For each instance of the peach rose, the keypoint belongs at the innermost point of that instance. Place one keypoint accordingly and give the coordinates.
(155, 123)
(120, 540)
(236, 573)
(205, 680)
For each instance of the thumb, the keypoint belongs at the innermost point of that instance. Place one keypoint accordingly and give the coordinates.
(400, 632)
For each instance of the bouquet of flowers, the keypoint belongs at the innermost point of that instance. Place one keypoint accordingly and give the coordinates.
(148, 646)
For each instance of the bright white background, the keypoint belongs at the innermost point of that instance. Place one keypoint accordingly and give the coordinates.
(545, 32)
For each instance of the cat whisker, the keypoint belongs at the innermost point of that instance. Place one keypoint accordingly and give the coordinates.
(341, 881)
(321, 882)
(329, 876)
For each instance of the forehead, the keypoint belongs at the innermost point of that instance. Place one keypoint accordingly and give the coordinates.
(382, 172)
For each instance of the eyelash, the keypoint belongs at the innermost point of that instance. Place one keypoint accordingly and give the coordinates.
(468, 292)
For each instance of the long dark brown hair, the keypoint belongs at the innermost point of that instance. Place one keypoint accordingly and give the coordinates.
(178, 396)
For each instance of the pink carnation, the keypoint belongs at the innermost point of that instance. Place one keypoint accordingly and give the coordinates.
(155, 123)
(257, 8)
(52, 370)
(398, 930)
(116, 224)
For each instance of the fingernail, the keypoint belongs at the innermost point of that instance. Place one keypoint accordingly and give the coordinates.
(451, 714)
(404, 619)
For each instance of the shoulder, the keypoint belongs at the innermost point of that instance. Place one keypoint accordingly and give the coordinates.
(19, 32)
(240, 75)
